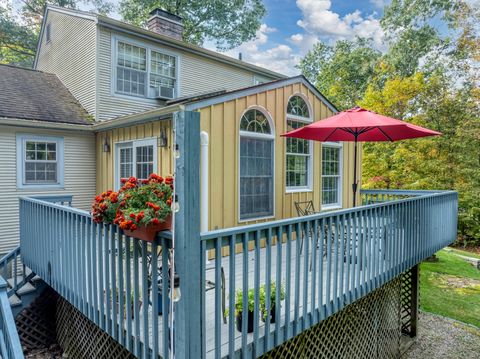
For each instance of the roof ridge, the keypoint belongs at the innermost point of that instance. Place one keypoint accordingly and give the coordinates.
(25, 68)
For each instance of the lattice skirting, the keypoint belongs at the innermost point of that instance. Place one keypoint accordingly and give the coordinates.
(80, 338)
(369, 328)
(36, 324)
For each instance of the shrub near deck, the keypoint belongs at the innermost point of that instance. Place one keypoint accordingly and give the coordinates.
(451, 287)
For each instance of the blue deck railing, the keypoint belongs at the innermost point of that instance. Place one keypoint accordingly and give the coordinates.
(323, 262)
(109, 277)
(319, 264)
(10, 347)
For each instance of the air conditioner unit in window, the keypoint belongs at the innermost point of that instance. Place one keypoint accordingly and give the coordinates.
(163, 92)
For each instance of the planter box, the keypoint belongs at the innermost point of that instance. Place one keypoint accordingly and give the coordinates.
(149, 233)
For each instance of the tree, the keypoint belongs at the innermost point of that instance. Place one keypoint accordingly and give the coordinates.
(228, 23)
(18, 34)
(341, 72)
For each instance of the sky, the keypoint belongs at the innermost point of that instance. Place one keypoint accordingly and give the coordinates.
(292, 27)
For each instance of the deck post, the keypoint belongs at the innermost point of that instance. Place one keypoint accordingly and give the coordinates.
(188, 326)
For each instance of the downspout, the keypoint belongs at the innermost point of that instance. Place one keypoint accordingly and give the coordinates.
(204, 181)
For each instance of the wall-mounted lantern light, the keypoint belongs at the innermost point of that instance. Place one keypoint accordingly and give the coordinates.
(106, 145)
(162, 139)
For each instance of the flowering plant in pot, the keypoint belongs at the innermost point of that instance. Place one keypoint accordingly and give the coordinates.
(140, 208)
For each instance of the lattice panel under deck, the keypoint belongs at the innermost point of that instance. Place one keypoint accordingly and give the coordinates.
(409, 310)
(82, 339)
(369, 328)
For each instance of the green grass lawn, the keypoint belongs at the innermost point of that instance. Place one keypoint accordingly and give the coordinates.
(451, 287)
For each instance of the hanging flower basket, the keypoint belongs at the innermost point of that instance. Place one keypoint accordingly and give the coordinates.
(140, 208)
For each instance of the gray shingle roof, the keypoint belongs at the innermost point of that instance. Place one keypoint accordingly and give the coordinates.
(35, 95)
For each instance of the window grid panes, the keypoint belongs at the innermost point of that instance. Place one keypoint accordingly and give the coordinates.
(131, 69)
(298, 158)
(298, 107)
(256, 166)
(256, 177)
(144, 161)
(331, 180)
(136, 66)
(40, 162)
(162, 70)
(255, 121)
(126, 162)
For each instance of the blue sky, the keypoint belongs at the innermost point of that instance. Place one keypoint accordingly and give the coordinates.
(291, 27)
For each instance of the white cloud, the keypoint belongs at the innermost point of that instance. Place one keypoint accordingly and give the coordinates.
(279, 57)
(321, 22)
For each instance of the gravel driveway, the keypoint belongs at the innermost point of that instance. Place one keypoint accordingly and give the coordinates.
(444, 338)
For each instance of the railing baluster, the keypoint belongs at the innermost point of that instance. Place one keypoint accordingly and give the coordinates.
(155, 335)
(328, 299)
(145, 298)
(165, 301)
(218, 298)
(122, 294)
(130, 309)
(305, 227)
(231, 296)
(113, 282)
(136, 296)
(278, 279)
(245, 290)
(323, 241)
(296, 302)
(256, 281)
(314, 256)
(288, 278)
(268, 284)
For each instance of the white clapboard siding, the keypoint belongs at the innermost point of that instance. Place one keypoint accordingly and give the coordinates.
(79, 167)
(71, 55)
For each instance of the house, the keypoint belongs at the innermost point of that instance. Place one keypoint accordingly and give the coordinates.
(107, 100)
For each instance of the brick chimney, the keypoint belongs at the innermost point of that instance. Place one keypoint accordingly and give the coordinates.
(165, 23)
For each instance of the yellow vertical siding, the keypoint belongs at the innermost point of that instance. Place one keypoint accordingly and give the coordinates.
(221, 122)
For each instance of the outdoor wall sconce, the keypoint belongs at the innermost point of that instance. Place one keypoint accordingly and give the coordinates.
(162, 140)
(106, 145)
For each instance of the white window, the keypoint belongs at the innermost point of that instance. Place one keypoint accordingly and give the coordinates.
(256, 166)
(331, 175)
(39, 161)
(298, 151)
(144, 72)
(135, 158)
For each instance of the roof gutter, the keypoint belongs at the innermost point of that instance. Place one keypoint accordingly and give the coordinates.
(18, 122)
(137, 118)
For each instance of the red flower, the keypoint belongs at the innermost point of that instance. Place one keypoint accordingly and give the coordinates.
(132, 215)
(123, 180)
(155, 221)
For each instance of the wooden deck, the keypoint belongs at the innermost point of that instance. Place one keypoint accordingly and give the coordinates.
(343, 286)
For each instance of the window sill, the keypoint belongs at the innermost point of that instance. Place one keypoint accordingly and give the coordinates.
(31, 187)
(255, 219)
(331, 207)
(298, 190)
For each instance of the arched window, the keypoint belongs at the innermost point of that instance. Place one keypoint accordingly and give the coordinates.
(256, 165)
(298, 152)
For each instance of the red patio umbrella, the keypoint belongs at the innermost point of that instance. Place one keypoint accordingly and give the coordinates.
(359, 125)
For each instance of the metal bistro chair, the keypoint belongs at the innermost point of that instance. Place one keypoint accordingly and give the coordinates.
(306, 208)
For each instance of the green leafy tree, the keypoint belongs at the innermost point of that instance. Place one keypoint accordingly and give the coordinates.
(341, 72)
(228, 23)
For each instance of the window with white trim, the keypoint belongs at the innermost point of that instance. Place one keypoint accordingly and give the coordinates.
(136, 158)
(331, 175)
(256, 166)
(144, 72)
(39, 161)
(298, 151)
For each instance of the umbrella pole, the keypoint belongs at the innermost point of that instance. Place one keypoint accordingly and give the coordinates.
(355, 184)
